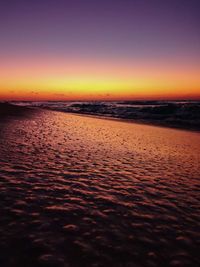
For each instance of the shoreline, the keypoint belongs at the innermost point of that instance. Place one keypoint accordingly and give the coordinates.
(136, 121)
(9, 111)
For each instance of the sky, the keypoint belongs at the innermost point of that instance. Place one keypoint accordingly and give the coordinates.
(122, 49)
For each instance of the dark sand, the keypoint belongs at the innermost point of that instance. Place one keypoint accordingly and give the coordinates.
(9, 111)
(80, 191)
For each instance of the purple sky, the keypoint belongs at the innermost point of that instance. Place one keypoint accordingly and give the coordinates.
(151, 29)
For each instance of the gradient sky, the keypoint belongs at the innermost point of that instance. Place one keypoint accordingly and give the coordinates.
(143, 49)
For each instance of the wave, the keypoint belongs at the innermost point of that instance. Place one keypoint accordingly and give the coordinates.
(182, 114)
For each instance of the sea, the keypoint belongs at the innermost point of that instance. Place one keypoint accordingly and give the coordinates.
(180, 114)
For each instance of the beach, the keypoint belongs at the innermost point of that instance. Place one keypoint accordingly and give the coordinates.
(183, 114)
(85, 191)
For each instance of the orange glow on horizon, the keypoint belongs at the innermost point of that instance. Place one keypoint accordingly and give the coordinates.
(72, 79)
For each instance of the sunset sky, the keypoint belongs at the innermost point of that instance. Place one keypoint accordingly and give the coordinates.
(122, 49)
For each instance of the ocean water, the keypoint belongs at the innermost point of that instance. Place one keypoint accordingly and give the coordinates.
(181, 114)
(83, 191)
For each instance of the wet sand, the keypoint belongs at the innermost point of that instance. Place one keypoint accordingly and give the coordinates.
(82, 191)
(8, 111)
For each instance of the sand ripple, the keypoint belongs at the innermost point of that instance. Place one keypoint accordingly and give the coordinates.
(81, 191)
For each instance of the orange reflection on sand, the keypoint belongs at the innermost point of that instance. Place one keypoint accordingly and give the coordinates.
(88, 185)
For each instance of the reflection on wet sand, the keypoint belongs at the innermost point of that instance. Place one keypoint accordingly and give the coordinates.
(82, 191)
